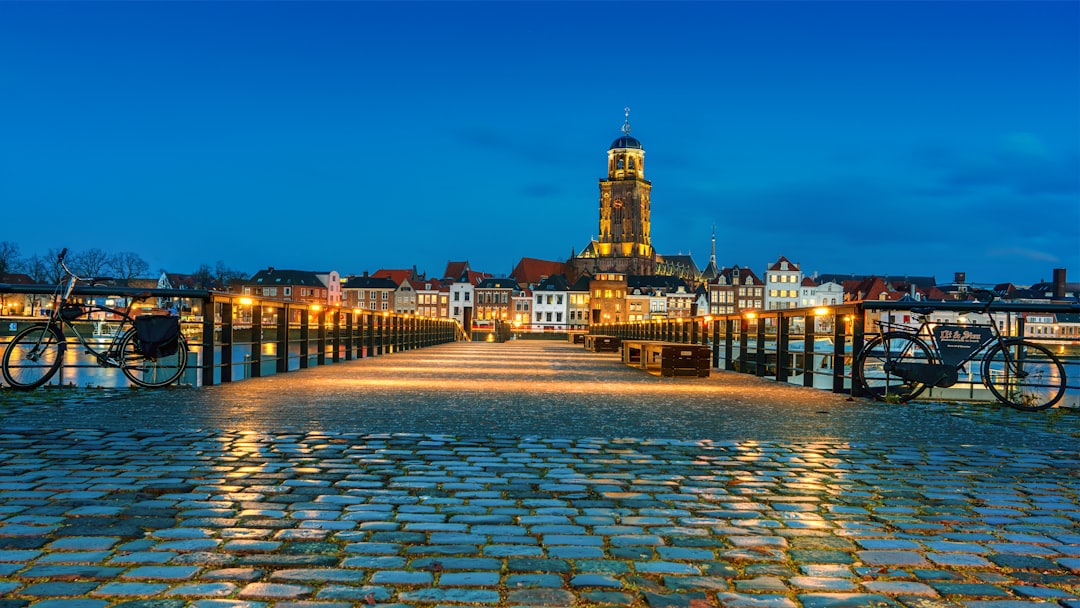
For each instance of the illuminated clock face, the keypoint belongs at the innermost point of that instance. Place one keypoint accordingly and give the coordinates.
(617, 204)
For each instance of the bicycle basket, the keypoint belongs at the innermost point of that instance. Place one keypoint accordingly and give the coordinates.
(157, 335)
(70, 312)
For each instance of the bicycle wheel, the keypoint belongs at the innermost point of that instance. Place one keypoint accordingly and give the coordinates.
(876, 364)
(151, 372)
(33, 356)
(1023, 375)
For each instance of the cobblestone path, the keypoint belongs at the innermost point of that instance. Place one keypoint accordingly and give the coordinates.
(331, 488)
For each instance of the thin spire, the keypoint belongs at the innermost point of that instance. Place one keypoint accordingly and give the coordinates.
(626, 125)
(712, 258)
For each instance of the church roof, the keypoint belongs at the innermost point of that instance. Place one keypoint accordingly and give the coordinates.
(626, 142)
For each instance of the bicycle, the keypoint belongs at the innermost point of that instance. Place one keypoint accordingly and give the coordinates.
(900, 363)
(148, 349)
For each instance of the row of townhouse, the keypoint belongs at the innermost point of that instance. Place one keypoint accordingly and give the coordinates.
(538, 297)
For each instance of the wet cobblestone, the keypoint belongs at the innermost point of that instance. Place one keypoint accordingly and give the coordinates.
(978, 513)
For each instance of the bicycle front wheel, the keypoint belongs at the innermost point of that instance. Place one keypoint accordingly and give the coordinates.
(879, 375)
(151, 372)
(1024, 375)
(33, 356)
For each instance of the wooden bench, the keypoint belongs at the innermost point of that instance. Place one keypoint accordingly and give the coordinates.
(668, 358)
(602, 343)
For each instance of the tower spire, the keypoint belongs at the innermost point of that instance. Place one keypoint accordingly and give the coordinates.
(712, 258)
(626, 124)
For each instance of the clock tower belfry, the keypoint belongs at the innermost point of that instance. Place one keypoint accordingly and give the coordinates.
(624, 241)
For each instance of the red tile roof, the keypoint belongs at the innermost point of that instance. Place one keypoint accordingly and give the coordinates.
(531, 271)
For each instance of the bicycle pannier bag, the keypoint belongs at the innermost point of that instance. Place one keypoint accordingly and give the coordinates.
(158, 335)
(71, 312)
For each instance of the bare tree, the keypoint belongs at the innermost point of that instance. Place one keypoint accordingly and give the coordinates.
(9, 258)
(88, 263)
(203, 277)
(225, 275)
(128, 265)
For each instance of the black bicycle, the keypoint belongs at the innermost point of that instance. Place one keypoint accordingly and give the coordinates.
(148, 348)
(900, 363)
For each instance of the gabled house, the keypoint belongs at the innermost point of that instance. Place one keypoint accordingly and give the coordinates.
(323, 288)
(431, 298)
(735, 290)
(577, 310)
(782, 280)
(493, 299)
(369, 293)
(551, 302)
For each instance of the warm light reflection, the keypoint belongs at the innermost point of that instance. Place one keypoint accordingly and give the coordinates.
(821, 312)
(245, 301)
(750, 314)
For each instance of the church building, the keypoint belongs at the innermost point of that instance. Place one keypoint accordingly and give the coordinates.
(624, 244)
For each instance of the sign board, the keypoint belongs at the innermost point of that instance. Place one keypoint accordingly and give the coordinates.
(957, 343)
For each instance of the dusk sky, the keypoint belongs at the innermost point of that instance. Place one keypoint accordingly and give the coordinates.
(917, 138)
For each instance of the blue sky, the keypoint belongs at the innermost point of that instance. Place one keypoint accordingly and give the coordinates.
(917, 138)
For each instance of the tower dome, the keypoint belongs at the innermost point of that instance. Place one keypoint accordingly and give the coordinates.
(626, 142)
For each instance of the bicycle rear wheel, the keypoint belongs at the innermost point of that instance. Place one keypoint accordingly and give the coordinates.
(33, 356)
(878, 375)
(151, 372)
(1024, 375)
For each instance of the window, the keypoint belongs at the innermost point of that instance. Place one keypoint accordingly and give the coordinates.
(539, 299)
(558, 317)
(385, 296)
(466, 296)
(539, 317)
(549, 317)
(288, 291)
(457, 298)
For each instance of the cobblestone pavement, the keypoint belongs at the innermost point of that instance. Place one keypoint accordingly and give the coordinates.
(280, 498)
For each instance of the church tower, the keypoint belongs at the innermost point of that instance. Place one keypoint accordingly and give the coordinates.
(624, 244)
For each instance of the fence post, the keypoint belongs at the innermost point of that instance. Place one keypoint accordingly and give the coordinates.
(348, 335)
(255, 371)
(809, 334)
(782, 323)
(226, 341)
(838, 353)
(305, 338)
(209, 318)
(320, 332)
(282, 363)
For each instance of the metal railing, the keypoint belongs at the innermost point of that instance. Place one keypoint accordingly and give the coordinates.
(816, 347)
(232, 337)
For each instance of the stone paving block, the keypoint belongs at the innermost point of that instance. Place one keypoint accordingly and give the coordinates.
(959, 560)
(318, 575)
(675, 600)
(274, 591)
(892, 558)
(469, 579)
(72, 603)
(365, 594)
(453, 596)
(602, 597)
(129, 589)
(896, 588)
(194, 590)
(540, 597)
(402, 577)
(595, 580)
(971, 589)
(845, 600)
(741, 600)
(530, 581)
(59, 589)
